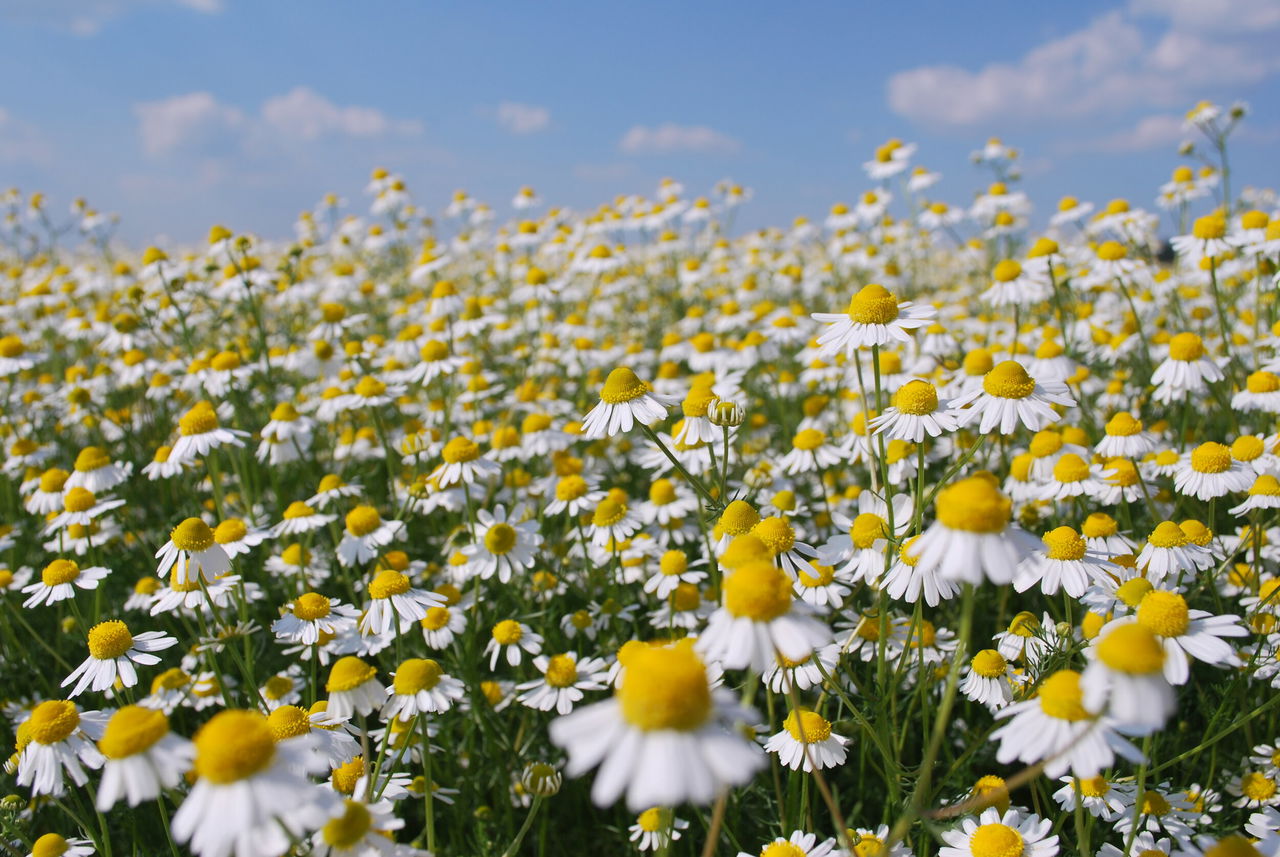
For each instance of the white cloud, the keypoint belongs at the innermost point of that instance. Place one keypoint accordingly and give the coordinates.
(1108, 67)
(198, 122)
(669, 137)
(1163, 131)
(87, 17)
(196, 119)
(522, 118)
(305, 114)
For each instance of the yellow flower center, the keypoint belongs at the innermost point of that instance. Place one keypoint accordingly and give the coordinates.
(808, 440)
(59, 571)
(1167, 534)
(673, 562)
(436, 618)
(1007, 271)
(1123, 425)
(807, 727)
(1211, 458)
(1165, 613)
(311, 606)
(234, 745)
(1154, 803)
(867, 529)
(738, 518)
(230, 531)
(1071, 468)
(989, 663)
(1112, 251)
(199, 420)
(974, 505)
(917, 398)
(776, 533)
(1094, 786)
(1062, 697)
(665, 687)
(1009, 380)
(825, 574)
(460, 450)
(507, 632)
(1209, 226)
(363, 520)
(996, 840)
(417, 674)
(1064, 543)
(288, 721)
(109, 640)
(759, 591)
(1186, 347)
(622, 385)
(298, 509)
(1132, 649)
(345, 777)
(1263, 382)
(500, 539)
(873, 304)
(1131, 592)
(53, 721)
(1233, 846)
(662, 492)
(388, 582)
(132, 730)
(51, 844)
(1256, 785)
(51, 481)
(562, 671)
(782, 848)
(349, 673)
(347, 830)
(653, 820)
(192, 535)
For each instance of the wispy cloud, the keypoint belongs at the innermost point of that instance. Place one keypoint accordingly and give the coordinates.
(87, 17)
(517, 118)
(1106, 68)
(198, 121)
(669, 137)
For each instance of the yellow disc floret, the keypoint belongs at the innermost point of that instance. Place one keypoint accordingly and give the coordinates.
(665, 687)
(234, 745)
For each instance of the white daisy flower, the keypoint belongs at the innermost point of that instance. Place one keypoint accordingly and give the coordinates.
(142, 757)
(624, 400)
(59, 581)
(1009, 397)
(806, 741)
(1000, 835)
(420, 686)
(874, 317)
(564, 680)
(113, 651)
(58, 737)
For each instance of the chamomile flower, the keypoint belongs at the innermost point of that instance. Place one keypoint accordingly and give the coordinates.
(875, 317)
(141, 757)
(624, 401)
(510, 637)
(1210, 471)
(192, 553)
(1007, 398)
(1125, 679)
(393, 596)
(564, 680)
(463, 464)
(1169, 553)
(113, 652)
(252, 794)
(989, 679)
(365, 535)
(916, 411)
(760, 617)
(299, 518)
(664, 738)
(1186, 633)
(502, 548)
(57, 739)
(1064, 561)
(807, 742)
(799, 844)
(418, 686)
(1098, 795)
(996, 834)
(656, 828)
(311, 615)
(55, 845)
(973, 538)
(199, 434)
(59, 581)
(353, 688)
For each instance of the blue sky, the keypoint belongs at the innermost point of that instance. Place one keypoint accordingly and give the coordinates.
(181, 113)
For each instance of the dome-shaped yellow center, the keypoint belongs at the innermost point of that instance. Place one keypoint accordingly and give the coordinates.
(989, 663)
(622, 385)
(873, 304)
(348, 673)
(508, 632)
(1186, 347)
(1064, 543)
(996, 840)
(807, 727)
(665, 687)
(1009, 380)
(234, 745)
(416, 674)
(1132, 649)
(192, 535)
(1211, 458)
(1061, 696)
(974, 505)
(53, 721)
(109, 640)
(759, 591)
(917, 398)
(1165, 613)
(562, 671)
(132, 730)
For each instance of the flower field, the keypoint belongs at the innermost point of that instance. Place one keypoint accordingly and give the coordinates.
(927, 528)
